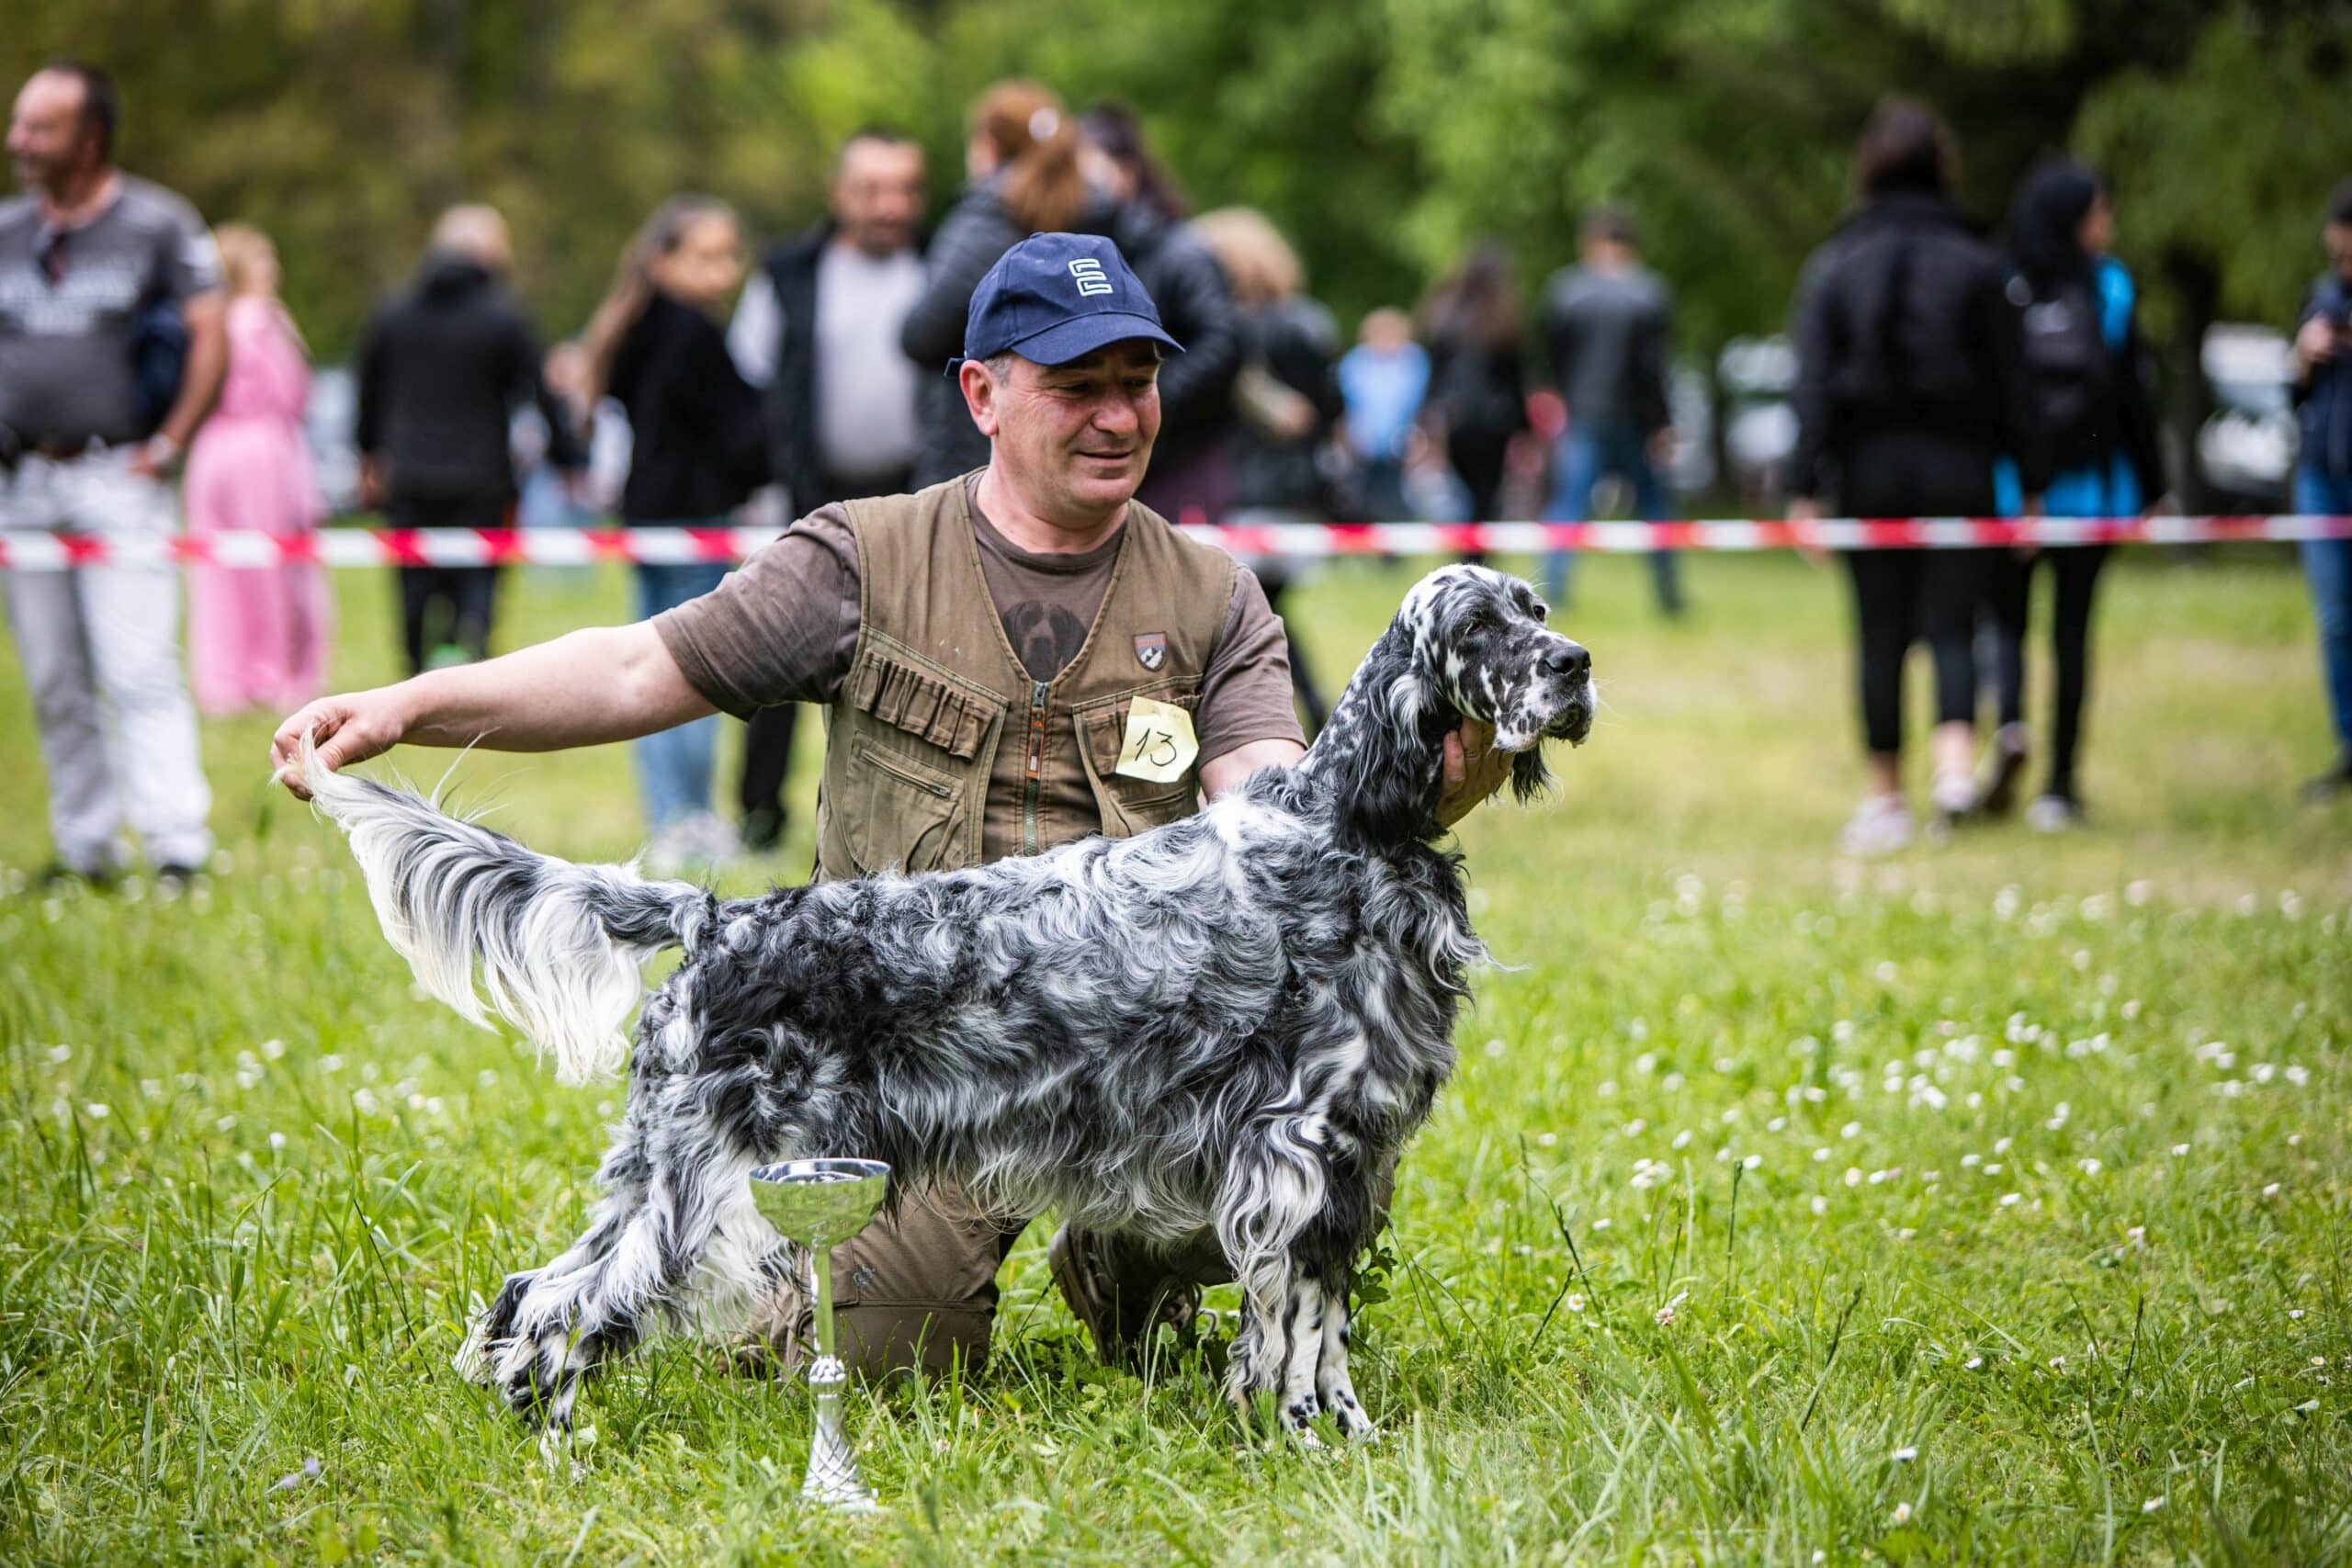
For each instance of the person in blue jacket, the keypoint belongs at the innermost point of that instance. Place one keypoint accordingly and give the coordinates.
(2094, 404)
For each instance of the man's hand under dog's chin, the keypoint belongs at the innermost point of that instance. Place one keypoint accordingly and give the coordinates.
(1475, 768)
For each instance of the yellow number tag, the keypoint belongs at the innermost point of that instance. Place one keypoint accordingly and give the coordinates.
(1160, 744)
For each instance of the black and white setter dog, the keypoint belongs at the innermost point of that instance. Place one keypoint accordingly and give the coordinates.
(1229, 1024)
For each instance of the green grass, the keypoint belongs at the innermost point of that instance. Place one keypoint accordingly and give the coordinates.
(1997, 1191)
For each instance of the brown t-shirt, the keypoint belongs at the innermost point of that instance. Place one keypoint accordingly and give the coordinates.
(782, 628)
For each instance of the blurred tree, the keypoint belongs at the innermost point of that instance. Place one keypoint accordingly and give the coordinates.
(1384, 135)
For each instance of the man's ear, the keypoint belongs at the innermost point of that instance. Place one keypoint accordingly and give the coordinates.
(980, 394)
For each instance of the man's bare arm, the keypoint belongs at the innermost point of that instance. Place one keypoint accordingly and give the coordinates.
(1224, 772)
(582, 689)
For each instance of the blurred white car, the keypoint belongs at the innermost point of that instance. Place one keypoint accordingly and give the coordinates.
(2245, 449)
(327, 429)
(1757, 373)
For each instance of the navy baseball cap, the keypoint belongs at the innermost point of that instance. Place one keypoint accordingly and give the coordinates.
(1056, 297)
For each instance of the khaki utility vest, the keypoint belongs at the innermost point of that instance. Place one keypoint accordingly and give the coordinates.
(935, 691)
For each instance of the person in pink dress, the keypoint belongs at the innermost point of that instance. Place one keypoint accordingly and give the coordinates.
(258, 636)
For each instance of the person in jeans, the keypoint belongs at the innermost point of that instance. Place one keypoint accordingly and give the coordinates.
(1608, 323)
(87, 253)
(440, 372)
(2323, 472)
(817, 331)
(258, 635)
(2092, 400)
(1911, 384)
(655, 346)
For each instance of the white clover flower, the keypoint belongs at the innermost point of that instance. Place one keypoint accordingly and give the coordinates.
(1666, 1313)
(2010, 1200)
(2091, 1167)
(2271, 1190)
(2180, 1151)
(1751, 1162)
(277, 1140)
(1820, 1206)
(1905, 1455)
(98, 1112)
(1971, 1364)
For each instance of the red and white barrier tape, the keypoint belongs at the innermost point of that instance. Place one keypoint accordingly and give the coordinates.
(25, 550)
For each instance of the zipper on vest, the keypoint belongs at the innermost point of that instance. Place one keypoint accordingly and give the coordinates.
(1032, 786)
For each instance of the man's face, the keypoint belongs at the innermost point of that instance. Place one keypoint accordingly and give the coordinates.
(878, 194)
(1076, 437)
(48, 138)
(2337, 238)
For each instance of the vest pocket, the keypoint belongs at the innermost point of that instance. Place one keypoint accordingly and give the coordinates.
(903, 815)
(1131, 806)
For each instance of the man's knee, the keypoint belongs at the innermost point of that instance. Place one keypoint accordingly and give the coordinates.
(915, 1291)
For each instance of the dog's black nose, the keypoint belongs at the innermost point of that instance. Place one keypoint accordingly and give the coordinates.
(1568, 662)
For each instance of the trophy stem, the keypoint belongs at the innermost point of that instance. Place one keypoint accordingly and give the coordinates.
(833, 1479)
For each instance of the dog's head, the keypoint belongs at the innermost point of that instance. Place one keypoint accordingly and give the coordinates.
(1467, 643)
(1479, 637)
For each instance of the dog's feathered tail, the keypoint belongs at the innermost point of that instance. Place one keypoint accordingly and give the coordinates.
(561, 947)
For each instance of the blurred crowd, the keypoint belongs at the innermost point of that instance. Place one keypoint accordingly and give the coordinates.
(1938, 369)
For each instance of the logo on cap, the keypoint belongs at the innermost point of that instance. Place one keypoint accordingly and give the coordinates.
(1152, 648)
(1088, 272)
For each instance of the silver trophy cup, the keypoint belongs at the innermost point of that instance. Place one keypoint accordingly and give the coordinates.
(821, 1203)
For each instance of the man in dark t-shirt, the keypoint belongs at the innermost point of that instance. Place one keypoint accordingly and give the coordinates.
(87, 253)
(980, 645)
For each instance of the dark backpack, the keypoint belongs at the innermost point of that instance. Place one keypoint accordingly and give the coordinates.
(2070, 372)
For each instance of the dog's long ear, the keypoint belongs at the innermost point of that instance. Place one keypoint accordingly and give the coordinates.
(1386, 740)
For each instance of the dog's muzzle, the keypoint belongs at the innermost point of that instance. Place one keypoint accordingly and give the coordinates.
(1568, 670)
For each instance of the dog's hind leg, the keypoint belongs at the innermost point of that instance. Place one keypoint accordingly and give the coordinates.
(678, 1200)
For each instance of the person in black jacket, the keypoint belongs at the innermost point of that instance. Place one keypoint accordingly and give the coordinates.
(440, 372)
(1910, 385)
(2093, 405)
(1287, 403)
(1025, 157)
(697, 452)
(1477, 400)
(817, 331)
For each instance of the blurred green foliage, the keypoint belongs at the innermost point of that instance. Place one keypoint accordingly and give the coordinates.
(1381, 133)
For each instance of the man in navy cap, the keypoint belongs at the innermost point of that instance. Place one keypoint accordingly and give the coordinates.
(1015, 658)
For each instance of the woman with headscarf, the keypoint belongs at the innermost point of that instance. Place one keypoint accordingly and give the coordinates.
(2093, 405)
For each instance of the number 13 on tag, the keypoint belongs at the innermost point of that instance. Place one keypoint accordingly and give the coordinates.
(1160, 744)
